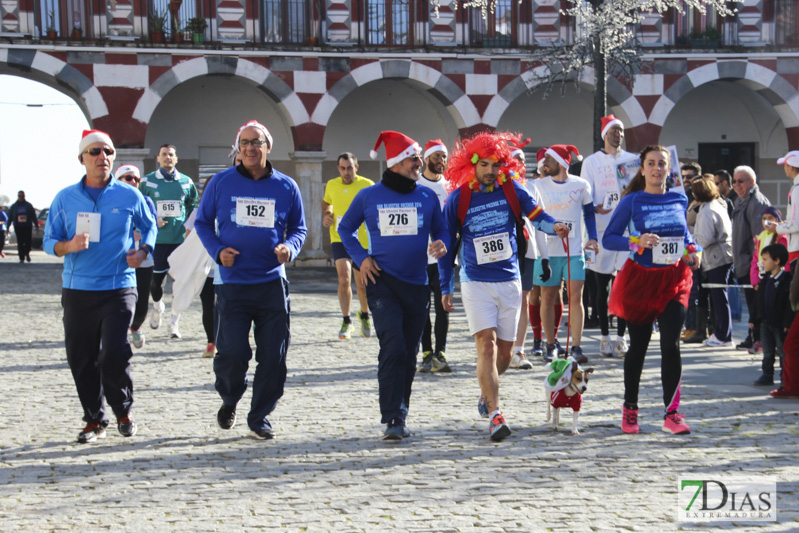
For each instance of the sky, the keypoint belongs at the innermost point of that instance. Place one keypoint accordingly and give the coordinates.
(38, 145)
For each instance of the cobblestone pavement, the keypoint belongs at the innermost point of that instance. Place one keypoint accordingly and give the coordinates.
(328, 471)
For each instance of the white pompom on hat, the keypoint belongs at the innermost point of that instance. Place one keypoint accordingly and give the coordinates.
(562, 153)
(608, 122)
(398, 147)
(257, 125)
(93, 136)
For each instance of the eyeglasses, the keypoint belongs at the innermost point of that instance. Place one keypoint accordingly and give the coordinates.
(96, 151)
(736, 182)
(130, 178)
(415, 158)
(255, 143)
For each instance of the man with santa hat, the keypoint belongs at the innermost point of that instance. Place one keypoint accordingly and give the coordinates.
(251, 221)
(399, 218)
(91, 226)
(599, 170)
(434, 359)
(568, 199)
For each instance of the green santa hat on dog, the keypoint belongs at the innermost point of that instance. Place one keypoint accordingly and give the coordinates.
(561, 374)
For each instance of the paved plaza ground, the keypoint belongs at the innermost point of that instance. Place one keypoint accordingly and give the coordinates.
(327, 470)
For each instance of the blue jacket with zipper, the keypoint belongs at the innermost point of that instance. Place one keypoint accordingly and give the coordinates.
(103, 266)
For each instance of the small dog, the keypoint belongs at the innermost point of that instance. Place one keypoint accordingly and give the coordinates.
(564, 388)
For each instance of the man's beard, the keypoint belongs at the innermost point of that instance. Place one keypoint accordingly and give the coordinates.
(431, 166)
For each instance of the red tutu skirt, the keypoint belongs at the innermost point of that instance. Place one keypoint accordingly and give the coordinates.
(639, 294)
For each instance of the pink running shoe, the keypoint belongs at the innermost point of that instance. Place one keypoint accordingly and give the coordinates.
(629, 420)
(675, 423)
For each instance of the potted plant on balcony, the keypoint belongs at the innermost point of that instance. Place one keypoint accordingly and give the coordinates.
(710, 38)
(158, 26)
(76, 32)
(197, 27)
(52, 32)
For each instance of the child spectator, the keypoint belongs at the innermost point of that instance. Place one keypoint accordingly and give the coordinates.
(773, 308)
(771, 217)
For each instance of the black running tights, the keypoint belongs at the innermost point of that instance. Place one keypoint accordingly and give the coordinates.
(670, 324)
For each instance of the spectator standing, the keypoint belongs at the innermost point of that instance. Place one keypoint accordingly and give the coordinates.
(790, 226)
(713, 233)
(746, 225)
(774, 311)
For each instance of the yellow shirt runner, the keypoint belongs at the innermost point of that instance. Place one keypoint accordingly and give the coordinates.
(340, 197)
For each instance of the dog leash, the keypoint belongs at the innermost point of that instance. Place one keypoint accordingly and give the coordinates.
(565, 243)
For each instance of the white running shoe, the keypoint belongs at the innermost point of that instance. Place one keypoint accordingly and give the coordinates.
(605, 349)
(137, 338)
(715, 343)
(158, 312)
(621, 347)
(173, 327)
(520, 361)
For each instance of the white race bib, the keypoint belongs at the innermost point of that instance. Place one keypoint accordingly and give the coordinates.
(569, 224)
(255, 212)
(492, 248)
(88, 223)
(611, 199)
(168, 208)
(668, 250)
(398, 221)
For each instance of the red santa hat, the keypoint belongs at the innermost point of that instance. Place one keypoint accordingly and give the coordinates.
(398, 147)
(539, 158)
(518, 152)
(608, 122)
(434, 146)
(257, 125)
(127, 169)
(93, 136)
(562, 153)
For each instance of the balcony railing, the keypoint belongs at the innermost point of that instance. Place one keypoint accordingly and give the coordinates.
(405, 24)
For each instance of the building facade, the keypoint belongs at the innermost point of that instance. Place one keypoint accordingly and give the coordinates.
(327, 77)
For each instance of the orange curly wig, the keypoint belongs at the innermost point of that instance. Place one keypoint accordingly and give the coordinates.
(465, 155)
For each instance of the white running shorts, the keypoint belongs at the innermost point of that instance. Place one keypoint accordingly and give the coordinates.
(493, 305)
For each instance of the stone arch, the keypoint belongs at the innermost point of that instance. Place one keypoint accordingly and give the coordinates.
(53, 72)
(287, 100)
(780, 94)
(457, 103)
(526, 81)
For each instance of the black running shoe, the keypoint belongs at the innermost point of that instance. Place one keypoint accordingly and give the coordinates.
(226, 417)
